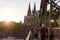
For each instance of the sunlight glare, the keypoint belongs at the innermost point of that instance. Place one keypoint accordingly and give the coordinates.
(7, 24)
(8, 14)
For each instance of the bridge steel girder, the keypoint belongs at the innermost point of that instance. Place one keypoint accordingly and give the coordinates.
(43, 10)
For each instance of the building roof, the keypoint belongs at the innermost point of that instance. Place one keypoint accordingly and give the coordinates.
(29, 17)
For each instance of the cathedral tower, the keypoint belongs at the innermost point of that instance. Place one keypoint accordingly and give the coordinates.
(34, 10)
(29, 10)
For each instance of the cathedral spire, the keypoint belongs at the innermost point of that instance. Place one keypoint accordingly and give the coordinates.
(29, 10)
(34, 10)
(34, 7)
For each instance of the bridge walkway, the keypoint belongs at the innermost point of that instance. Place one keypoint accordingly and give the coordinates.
(30, 38)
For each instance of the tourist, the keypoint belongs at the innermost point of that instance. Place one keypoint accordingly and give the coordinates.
(35, 34)
(32, 32)
(43, 32)
(50, 33)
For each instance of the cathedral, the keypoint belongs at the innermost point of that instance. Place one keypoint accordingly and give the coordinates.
(32, 17)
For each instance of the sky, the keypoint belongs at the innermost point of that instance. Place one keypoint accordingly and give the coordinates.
(15, 10)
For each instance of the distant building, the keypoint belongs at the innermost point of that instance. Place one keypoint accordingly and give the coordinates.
(32, 17)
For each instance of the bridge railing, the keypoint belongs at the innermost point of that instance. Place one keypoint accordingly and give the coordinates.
(28, 36)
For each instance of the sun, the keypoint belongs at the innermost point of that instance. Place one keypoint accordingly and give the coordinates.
(8, 14)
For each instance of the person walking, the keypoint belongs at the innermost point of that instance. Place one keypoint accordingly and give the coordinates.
(32, 32)
(50, 33)
(36, 34)
(43, 32)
